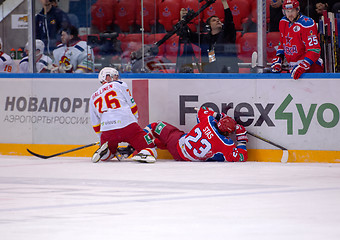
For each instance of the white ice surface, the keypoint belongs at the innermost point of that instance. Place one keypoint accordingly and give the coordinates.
(73, 198)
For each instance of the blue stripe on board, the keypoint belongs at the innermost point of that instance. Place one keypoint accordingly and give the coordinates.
(175, 75)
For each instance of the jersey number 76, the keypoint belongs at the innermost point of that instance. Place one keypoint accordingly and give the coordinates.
(110, 101)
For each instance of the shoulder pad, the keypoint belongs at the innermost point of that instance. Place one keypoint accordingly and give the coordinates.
(305, 21)
(285, 19)
(25, 59)
(60, 45)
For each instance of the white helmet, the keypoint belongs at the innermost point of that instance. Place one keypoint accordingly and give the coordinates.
(107, 71)
(39, 45)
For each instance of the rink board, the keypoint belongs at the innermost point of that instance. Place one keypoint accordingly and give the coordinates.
(49, 112)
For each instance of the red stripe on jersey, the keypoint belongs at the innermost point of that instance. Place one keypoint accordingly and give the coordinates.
(134, 109)
(96, 128)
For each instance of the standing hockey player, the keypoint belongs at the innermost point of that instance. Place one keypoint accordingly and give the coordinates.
(43, 62)
(114, 116)
(207, 141)
(299, 42)
(6, 62)
(73, 55)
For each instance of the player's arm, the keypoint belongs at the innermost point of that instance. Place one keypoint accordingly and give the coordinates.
(311, 40)
(205, 112)
(239, 153)
(309, 37)
(94, 116)
(86, 61)
(129, 99)
(276, 66)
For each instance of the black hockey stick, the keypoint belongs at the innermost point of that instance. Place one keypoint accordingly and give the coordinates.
(61, 153)
(284, 157)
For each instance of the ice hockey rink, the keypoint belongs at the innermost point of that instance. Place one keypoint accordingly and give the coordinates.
(72, 198)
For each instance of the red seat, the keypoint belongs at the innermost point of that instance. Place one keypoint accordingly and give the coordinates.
(273, 39)
(241, 12)
(216, 9)
(169, 13)
(130, 43)
(171, 48)
(102, 14)
(247, 44)
(253, 6)
(153, 38)
(149, 14)
(194, 5)
(125, 14)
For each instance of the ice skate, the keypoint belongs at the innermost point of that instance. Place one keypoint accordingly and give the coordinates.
(100, 152)
(146, 156)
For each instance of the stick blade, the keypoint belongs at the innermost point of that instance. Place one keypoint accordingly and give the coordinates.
(284, 158)
(37, 155)
(254, 60)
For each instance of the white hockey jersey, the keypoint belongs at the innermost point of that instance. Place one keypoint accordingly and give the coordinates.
(43, 62)
(80, 55)
(112, 107)
(7, 65)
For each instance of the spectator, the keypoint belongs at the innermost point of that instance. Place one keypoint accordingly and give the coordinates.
(49, 21)
(43, 62)
(6, 62)
(315, 8)
(276, 14)
(73, 54)
(218, 49)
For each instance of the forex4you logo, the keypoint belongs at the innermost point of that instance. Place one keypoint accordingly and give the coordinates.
(325, 114)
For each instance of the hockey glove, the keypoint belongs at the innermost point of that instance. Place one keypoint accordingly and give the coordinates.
(297, 71)
(276, 66)
(241, 134)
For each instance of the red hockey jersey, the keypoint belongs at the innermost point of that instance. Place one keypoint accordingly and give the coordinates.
(205, 143)
(299, 41)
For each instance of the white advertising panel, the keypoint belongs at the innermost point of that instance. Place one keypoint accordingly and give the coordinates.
(301, 115)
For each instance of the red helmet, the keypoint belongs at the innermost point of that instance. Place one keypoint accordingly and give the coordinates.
(290, 4)
(226, 124)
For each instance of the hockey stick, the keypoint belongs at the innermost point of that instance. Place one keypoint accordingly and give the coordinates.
(284, 157)
(61, 153)
(254, 64)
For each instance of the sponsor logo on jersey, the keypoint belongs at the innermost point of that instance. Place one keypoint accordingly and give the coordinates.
(159, 128)
(296, 28)
(148, 139)
(290, 50)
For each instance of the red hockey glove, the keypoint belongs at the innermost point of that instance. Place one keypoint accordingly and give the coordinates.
(241, 134)
(276, 66)
(297, 71)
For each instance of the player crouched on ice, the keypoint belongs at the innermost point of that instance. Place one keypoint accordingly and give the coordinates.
(42, 61)
(207, 141)
(299, 43)
(114, 116)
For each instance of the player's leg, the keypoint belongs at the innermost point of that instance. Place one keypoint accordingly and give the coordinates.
(142, 142)
(168, 135)
(108, 148)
